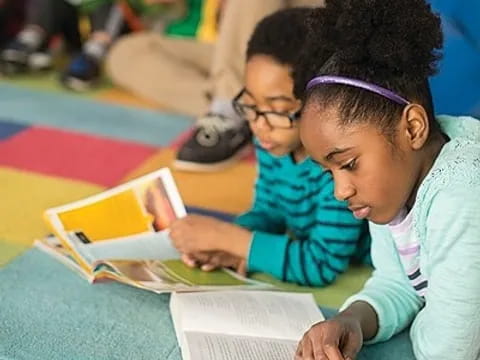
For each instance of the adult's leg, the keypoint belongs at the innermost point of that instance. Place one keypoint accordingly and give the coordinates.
(169, 71)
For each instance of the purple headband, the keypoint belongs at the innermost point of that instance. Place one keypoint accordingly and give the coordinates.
(327, 79)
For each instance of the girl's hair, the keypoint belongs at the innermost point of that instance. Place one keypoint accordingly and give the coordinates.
(393, 44)
(280, 35)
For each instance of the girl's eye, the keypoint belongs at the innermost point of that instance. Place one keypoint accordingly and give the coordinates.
(350, 165)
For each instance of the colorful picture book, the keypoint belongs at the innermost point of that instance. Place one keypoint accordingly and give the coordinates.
(122, 234)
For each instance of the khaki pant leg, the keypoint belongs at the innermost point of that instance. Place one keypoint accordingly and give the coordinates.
(237, 24)
(169, 71)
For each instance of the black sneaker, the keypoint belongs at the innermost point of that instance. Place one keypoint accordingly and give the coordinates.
(217, 142)
(17, 57)
(82, 74)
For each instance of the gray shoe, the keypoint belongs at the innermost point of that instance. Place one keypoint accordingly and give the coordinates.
(216, 143)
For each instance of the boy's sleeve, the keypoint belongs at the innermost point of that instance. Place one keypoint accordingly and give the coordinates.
(388, 291)
(317, 260)
(264, 215)
(448, 327)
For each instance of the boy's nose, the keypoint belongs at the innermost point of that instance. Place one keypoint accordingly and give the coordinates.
(262, 124)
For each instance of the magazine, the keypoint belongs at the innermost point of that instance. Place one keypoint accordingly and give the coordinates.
(122, 234)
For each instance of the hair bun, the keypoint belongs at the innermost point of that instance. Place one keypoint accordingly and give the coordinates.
(396, 37)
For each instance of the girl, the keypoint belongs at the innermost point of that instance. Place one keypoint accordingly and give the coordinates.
(369, 120)
(296, 230)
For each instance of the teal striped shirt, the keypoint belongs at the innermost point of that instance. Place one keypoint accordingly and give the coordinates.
(301, 233)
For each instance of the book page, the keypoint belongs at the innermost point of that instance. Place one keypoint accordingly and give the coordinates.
(145, 246)
(259, 313)
(205, 346)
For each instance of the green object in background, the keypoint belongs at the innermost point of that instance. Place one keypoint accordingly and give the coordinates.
(185, 26)
(150, 10)
(188, 25)
(88, 5)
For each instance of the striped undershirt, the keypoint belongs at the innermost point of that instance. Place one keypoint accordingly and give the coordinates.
(408, 248)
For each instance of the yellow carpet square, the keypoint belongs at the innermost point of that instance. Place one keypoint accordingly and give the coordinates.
(9, 251)
(24, 197)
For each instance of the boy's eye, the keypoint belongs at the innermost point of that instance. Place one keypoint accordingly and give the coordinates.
(350, 165)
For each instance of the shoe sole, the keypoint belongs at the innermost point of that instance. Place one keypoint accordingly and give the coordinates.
(77, 85)
(221, 165)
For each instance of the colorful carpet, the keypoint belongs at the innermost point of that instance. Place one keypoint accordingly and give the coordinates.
(57, 147)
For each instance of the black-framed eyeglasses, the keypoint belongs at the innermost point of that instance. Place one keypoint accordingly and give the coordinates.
(274, 119)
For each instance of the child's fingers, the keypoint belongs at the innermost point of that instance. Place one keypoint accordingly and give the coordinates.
(188, 260)
(299, 351)
(213, 263)
(242, 268)
(208, 267)
(332, 351)
(307, 349)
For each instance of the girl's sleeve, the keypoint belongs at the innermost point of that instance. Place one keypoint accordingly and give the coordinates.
(448, 327)
(388, 291)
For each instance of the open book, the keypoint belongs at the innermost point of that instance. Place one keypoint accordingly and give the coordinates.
(122, 234)
(250, 325)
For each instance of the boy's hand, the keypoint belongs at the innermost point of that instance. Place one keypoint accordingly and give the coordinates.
(195, 234)
(337, 339)
(213, 260)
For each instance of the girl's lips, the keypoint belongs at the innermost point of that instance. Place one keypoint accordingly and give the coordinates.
(361, 213)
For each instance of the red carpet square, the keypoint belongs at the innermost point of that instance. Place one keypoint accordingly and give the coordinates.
(72, 155)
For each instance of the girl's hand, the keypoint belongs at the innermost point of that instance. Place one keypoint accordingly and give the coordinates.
(337, 339)
(195, 234)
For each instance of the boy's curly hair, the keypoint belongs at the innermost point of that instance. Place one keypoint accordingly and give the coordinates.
(280, 35)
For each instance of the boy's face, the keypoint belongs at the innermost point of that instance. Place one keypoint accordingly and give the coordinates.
(269, 88)
(376, 177)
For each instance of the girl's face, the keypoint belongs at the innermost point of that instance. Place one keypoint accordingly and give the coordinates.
(376, 178)
(269, 88)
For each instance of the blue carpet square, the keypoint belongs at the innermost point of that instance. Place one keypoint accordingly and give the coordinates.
(8, 128)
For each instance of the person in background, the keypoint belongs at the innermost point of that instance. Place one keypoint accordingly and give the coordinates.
(30, 49)
(296, 230)
(197, 74)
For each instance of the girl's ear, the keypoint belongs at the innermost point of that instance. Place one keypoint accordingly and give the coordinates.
(417, 126)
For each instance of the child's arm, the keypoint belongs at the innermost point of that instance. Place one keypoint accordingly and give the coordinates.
(449, 325)
(263, 216)
(333, 240)
(388, 291)
(385, 306)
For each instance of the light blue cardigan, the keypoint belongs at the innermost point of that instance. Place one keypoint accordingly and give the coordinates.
(446, 324)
